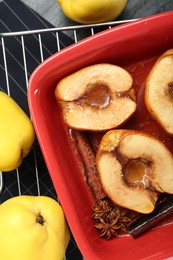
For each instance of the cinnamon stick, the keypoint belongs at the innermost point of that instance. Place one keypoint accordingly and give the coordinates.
(87, 154)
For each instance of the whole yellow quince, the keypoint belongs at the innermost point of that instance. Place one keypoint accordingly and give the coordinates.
(16, 133)
(89, 11)
(32, 228)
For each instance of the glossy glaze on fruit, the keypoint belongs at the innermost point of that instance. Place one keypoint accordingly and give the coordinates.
(141, 120)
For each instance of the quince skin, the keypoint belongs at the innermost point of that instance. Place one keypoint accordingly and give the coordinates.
(32, 227)
(89, 11)
(16, 132)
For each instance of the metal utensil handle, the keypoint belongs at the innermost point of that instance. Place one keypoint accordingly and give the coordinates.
(1, 182)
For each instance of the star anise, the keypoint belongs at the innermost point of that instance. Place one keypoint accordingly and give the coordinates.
(110, 218)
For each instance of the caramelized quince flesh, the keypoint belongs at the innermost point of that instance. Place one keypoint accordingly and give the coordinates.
(141, 119)
(97, 98)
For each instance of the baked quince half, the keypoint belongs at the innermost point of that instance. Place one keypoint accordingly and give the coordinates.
(134, 168)
(159, 91)
(98, 97)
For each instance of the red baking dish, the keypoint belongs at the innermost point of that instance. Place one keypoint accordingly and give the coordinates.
(130, 45)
